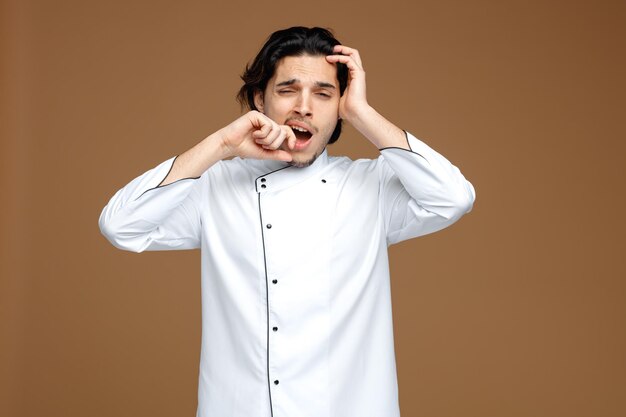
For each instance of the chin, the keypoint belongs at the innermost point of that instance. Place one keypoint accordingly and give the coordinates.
(303, 163)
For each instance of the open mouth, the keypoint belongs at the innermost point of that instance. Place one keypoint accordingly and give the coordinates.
(301, 133)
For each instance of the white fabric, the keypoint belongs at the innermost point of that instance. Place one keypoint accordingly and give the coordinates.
(333, 351)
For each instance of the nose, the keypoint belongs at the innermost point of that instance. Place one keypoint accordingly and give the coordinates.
(303, 105)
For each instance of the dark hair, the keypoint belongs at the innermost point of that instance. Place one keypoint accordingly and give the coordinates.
(294, 41)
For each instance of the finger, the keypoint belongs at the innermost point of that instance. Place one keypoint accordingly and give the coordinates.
(277, 143)
(262, 131)
(345, 59)
(271, 135)
(345, 50)
(290, 137)
(273, 146)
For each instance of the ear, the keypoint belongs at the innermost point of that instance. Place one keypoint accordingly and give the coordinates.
(258, 100)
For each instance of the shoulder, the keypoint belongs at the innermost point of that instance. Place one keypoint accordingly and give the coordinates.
(356, 166)
(359, 173)
(231, 171)
(238, 166)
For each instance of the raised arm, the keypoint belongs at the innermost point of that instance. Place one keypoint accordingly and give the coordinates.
(354, 108)
(159, 210)
(253, 135)
(421, 191)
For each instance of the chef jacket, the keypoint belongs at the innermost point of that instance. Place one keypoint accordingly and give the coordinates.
(296, 300)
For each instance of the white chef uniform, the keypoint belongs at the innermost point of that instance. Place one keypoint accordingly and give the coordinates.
(296, 301)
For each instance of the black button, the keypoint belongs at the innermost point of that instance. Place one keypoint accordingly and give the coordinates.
(263, 186)
(276, 382)
(262, 179)
(274, 281)
(324, 181)
(269, 226)
(275, 328)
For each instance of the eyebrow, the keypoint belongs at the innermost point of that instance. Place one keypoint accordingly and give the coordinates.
(295, 80)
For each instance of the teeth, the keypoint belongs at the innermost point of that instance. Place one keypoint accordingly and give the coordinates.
(299, 129)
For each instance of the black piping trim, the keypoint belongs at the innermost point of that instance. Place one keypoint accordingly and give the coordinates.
(162, 186)
(406, 136)
(161, 182)
(402, 149)
(267, 303)
(265, 175)
(170, 170)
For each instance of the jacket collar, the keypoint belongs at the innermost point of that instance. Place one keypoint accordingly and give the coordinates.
(277, 175)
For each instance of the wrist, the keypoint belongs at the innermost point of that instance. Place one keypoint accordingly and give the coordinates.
(360, 116)
(378, 130)
(220, 143)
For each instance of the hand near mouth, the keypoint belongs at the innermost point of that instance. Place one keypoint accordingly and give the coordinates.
(256, 136)
(272, 136)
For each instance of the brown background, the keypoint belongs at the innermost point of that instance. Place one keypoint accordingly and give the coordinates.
(517, 310)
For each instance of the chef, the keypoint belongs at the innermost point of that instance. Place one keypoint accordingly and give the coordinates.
(296, 300)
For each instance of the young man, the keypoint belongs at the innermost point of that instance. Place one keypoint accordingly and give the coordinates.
(296, 302)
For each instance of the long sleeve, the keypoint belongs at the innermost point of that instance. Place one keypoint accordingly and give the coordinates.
(421, 191)
(145, 216)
